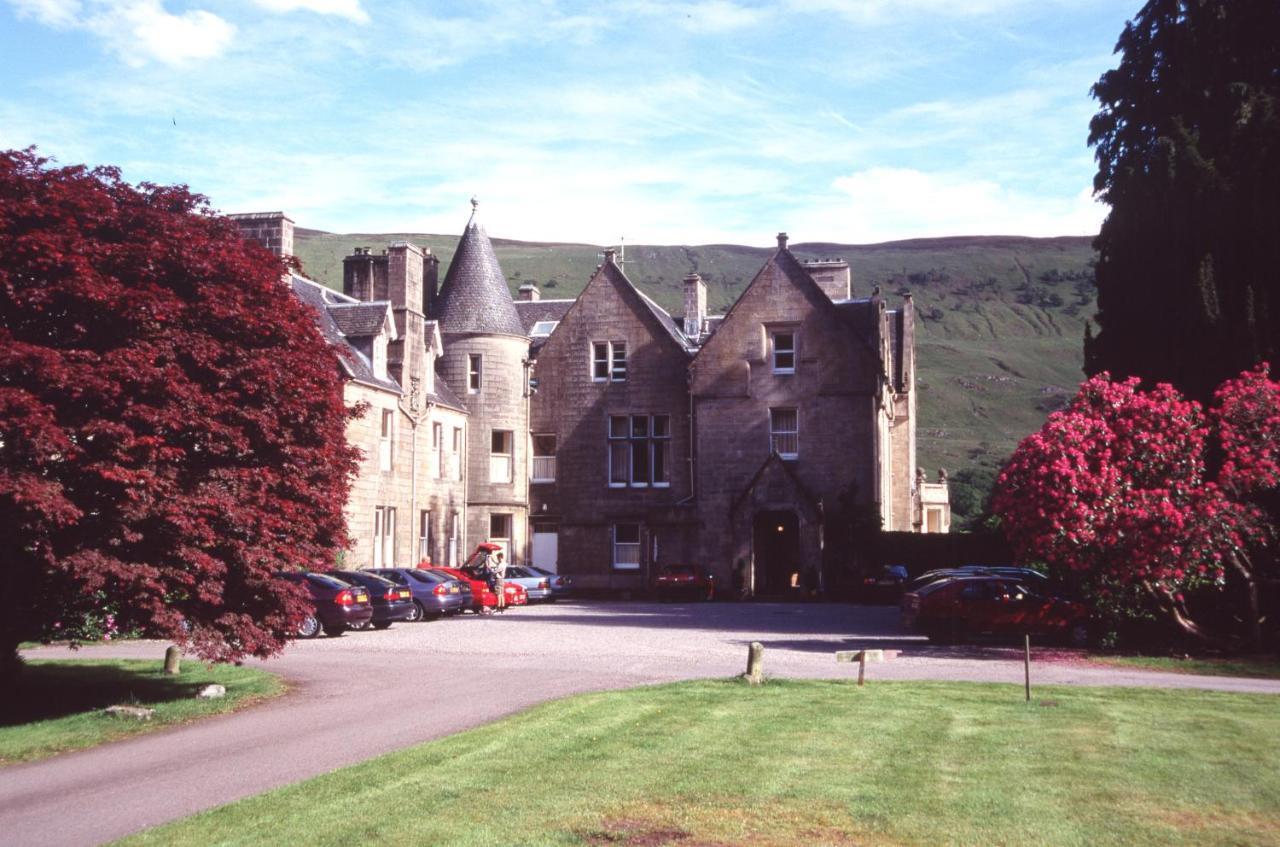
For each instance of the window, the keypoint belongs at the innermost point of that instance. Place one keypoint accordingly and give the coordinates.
(626, 546)
(609, 361)
(541, 329)
(784, 432)
(544, 458)
(639, 450)
(424, 536)
(784, 352)
(437, 447)
(500, 533)
(475, 364)
(455, 458)
(500, 456)
(384, 537)
(385, 438)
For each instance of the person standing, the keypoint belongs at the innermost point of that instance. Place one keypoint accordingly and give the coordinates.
(499, 578)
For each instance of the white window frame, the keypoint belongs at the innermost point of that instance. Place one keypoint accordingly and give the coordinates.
(424, 535)
(624, 438)
(626, 554)
(475, 372)
(617, 361)
(501, 464)
(781, 438)
(384, 537)
(542, 329)
(782, 355)
(608, 361)
(437, 447)
(386, 439)
(544, 464)
(455, 458)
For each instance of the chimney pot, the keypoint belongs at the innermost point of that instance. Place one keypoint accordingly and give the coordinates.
(610, 256)
(782, 240)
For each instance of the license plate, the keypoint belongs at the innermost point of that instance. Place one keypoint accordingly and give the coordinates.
(404, 594)
(362, 598)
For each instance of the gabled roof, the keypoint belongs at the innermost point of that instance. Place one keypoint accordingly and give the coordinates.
(475, 296)
(665, 320)
(357, 320)
(800, 494)
(354, 363)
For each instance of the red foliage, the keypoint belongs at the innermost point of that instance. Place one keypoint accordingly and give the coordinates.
(171, 421)
(1117, 487)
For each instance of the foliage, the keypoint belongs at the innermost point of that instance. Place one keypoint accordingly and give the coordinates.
(1188, 148)
(1143, 498)
(172, 427)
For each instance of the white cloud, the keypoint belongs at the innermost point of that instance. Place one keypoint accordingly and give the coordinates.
(887, 203)
(704, 16)
(350, 9)
(138, 31)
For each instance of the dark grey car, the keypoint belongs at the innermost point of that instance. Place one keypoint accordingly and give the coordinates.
(435, 594)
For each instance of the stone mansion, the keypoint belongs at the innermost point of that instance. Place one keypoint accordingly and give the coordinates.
(603, 437)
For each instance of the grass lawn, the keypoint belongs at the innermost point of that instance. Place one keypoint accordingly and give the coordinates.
(58, 704)
(1265, 667)
(804, 763)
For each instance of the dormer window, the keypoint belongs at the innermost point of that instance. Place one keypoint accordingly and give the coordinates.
(784, 352)
(542, 329)
(475, 364)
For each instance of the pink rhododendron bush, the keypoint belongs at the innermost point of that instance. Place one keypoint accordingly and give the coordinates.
(1151, 504)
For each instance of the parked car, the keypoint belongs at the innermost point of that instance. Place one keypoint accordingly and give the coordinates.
(482, 598)
(435, 594)
(690, 581)
(959, 607)
(886, 586)
(561, 585)
(339, 606)
(390, 602)
(1027, 574)
(536, 585)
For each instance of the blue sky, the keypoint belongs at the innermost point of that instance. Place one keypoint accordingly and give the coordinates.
(659, 122)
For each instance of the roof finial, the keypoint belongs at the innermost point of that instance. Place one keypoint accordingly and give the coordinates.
(474, 203)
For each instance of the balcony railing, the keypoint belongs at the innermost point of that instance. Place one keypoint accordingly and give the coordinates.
(544, 469)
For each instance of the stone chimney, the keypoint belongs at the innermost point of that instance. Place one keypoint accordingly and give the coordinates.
(273, 230)
(406, 356)
(832, 275)
(610, 256)
(695, 305)
(364, 275)
(782, 241)
(529, 293)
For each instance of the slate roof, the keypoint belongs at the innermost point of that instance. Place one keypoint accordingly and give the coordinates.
(444, 396)
(475, 296)
(359, 319)
(668, 323)
(532, 311)
(354, 363)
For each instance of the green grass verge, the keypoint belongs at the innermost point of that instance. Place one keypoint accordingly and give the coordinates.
(814, 763)
(58, 703)
(1263, 667)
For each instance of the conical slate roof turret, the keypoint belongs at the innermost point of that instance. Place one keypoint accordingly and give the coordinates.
(475, 296)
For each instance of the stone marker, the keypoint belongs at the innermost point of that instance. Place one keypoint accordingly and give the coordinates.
(136, 712)
(173, 661)
(755, 663)
(211, 692)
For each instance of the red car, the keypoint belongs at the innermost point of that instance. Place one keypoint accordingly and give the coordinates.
(481, 597)
(953, 609)
(684, 581)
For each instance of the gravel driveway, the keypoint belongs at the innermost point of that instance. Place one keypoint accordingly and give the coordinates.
(423, 681)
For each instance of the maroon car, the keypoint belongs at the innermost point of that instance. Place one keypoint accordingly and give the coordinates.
(689, 581)
(954, 609)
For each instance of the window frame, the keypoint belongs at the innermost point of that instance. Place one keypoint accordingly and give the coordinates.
(475, 372)
(637, 446)
(775, 432)
(386, 441)
(614, 560)
(508, 456)
(777, 352)
(538, 472)
(608, 361)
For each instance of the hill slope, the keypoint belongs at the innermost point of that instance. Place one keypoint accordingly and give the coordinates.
(998, 340)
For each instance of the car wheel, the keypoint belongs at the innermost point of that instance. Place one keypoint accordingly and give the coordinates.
(1078, 635)
(382, 624)
(335, 631)
(310, 627)
(417, 613)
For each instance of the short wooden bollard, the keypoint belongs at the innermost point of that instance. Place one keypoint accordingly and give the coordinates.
(755, 663)
(862, 657)
(173, 661)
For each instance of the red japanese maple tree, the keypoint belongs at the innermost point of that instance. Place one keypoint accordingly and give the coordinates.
(1144, 493)
(172, 427)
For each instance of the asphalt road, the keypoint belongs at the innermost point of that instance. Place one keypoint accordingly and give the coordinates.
(424, 681)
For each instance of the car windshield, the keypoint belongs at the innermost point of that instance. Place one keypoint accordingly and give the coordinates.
(432, 577)
(326, 581)
(518, 572)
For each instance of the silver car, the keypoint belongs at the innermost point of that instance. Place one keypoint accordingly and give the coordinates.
(538, 585)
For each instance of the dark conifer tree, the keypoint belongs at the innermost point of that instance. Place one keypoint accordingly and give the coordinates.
(1188, 148)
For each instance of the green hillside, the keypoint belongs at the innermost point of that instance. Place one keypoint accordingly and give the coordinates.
(998, 339)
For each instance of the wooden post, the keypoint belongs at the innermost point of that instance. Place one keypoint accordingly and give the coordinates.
(173, 661)
(755, 663)
(1026, 665)
(862, 666)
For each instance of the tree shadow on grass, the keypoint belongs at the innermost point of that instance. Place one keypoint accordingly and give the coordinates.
(55, 689)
